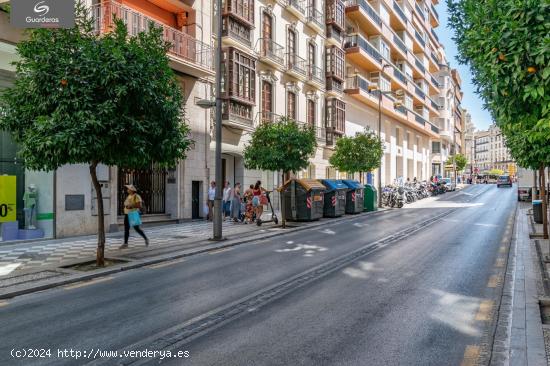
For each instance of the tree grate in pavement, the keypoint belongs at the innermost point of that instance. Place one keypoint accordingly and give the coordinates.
(184, 333)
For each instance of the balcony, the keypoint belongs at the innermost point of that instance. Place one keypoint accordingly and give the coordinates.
(315, 75)
(419, 11)
(400, 76)
(236, 34)
(295, 65)
(420, 40)
(434, 128)
(232, 117)
(358, 87)
(316, 19)
(399, 42)
(296, 7)
(365, 15)
(435, 35)
(419, 119)
(334, 87)
(434, 58)
(267, 117)
(398, 18)
(434, 18)
(271, 53)
(434, 104)
(187, 54)
(419, 92)
(420, 66)
(359, 50)
(335, 36)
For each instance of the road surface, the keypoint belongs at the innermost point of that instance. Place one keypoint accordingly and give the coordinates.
(414, 286)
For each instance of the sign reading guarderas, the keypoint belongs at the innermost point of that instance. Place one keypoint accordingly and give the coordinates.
(42, 13)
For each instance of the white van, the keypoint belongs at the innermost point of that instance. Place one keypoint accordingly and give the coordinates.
(525, 184)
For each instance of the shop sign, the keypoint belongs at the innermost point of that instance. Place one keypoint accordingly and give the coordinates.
(7, 198)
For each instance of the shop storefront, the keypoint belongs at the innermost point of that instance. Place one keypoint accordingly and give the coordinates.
(26, 197)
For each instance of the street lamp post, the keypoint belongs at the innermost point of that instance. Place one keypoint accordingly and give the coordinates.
(207, 104)
(380, 92)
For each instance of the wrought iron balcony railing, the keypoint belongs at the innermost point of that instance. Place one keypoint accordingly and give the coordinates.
(272, 50)
(316, 17)
(296, 64)
(182, 45)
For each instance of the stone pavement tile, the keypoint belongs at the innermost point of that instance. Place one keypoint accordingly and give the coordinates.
(50, 252)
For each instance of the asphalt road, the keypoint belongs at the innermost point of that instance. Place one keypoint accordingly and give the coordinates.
(403, 287)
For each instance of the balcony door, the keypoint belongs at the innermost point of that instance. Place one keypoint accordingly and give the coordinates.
(291, 105)
(267, 34)
(267, 101)
(291, 47)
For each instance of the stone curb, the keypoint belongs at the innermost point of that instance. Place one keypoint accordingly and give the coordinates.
(56, 282)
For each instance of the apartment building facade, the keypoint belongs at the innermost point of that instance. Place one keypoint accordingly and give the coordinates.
(330, 64)
(469, 141)
(491, 152)
(67, 203)
(450, 138)
(392, 58)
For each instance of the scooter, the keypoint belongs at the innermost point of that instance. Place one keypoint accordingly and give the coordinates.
(274, 217)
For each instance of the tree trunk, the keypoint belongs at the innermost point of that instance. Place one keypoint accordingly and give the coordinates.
(100, 256)
(543, 197)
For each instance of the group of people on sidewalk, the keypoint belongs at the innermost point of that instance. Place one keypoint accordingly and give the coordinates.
(239, 206)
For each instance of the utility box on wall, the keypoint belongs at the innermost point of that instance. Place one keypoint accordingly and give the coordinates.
(106, 193)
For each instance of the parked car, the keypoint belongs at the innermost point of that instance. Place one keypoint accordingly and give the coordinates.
(449, 184)
(504, 180)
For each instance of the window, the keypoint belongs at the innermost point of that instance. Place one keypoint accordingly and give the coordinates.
(335, 62)
(291, 105)
(384, 84)
(436, 147)
(243, 9)
(310, 112)
(267, 100)
(241, 76)
(336, 115)
(335, 13)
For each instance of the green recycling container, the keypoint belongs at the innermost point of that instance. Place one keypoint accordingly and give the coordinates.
(371, 198)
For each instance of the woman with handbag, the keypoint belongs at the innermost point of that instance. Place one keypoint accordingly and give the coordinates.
(236, 202)
(259, 199)
(132, 205)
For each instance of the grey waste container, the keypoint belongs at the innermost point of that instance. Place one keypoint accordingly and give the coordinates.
(303, 199)
(537, 211)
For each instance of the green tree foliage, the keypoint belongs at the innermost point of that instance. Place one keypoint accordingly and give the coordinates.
(357, 154)
(461, 161)
(506, 43)
(80, 97)
(281, 146)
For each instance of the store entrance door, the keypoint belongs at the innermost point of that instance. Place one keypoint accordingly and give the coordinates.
(151, 186)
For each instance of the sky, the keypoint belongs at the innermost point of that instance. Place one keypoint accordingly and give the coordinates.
(471, 101)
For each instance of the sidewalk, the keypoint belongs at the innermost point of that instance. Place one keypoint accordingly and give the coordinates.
(522, 317)
(24, 256)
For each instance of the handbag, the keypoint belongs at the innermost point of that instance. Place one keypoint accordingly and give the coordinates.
(133, 218)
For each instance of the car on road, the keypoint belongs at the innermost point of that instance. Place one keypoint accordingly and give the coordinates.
(504, 180)
(449, 184)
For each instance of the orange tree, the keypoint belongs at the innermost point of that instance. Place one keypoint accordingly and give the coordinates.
(80, 97)
(506, 43)
(284, 146)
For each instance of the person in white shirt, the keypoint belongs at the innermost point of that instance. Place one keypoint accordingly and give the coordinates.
(227, 199)
(211, 196)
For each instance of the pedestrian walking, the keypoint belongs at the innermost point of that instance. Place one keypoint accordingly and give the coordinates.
(132, 205)
(249, 207)
(258, 191)
(211, 197)
(236, 202)
(227, 199)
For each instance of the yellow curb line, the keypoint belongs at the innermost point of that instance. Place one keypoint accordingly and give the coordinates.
(471, 354)
(485, 311)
